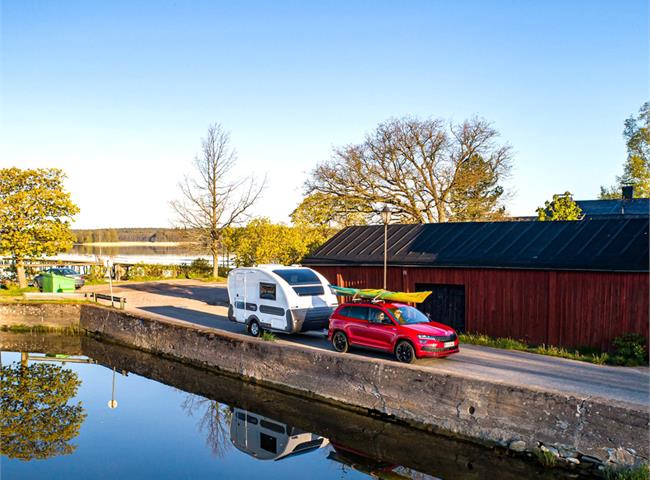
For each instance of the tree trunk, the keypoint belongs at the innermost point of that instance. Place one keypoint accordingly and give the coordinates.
(20, 273)
(442, 215)
(215, 264)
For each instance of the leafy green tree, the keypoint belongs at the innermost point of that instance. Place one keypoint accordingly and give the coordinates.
(329, 211)
(36, 421)
(262, 241)
(424, 170)
(562, 207)
(636, 169)
(35, 215)
(477, 195)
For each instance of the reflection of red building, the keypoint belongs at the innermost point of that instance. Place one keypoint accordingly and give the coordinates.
(570, 284)
(361, 462)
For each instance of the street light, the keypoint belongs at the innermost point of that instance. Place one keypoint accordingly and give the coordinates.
(385, 216)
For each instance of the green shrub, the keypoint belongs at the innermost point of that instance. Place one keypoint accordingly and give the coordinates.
(600, 358)
(545, 457)
(630, 349)
(97, 274)
(268, 336)
(641, 472)
(199, 268)
(583, 354)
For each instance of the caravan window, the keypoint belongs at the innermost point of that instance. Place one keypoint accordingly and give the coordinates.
(298, 276)
(267, 291)
(304, 282)
(309, 290)
(268, 443)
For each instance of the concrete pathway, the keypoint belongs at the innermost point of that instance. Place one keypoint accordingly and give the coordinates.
(204, 304)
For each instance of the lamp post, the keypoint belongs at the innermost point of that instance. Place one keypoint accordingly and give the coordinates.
(385, 216)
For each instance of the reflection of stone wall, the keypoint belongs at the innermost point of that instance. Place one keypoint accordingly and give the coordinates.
(379, 440)
(450, 403)
(40, 314)
(40, 343)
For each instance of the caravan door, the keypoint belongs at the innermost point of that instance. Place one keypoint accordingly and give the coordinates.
(240, 297)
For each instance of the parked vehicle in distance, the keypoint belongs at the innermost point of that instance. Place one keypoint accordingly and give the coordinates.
(267, 439)
(63, 271)
(391, 327)
(279, 298)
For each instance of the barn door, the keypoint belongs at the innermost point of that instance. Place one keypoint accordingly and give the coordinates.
(446, 304)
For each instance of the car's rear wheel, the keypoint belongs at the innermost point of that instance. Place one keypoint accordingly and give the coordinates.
(340, 342)
(254, 328)
(404, 352)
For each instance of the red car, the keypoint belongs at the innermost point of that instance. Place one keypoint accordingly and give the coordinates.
(392, 327)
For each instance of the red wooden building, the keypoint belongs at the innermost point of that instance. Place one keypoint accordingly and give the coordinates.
(570, 284)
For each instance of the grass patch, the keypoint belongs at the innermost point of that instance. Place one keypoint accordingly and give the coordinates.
(12, 290)
(268, 336)
(641, 472)
(632, 352)
(545, 457)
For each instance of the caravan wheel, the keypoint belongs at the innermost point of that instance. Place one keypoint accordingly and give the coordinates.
(254, 328)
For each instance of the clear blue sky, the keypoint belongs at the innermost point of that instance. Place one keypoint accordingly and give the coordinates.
(119, 93)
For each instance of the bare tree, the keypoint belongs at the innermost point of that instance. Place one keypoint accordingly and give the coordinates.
(210, 200)
(425, 170)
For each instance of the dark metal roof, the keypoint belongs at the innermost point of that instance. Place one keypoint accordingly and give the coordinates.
(619, 244)
(615, 207)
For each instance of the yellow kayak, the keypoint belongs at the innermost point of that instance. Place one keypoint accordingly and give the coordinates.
(379, 294)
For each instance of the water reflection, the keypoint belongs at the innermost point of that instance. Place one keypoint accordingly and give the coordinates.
(265, 438)
(37, 420)
(207, 425)
(214, 419)
(146, 250)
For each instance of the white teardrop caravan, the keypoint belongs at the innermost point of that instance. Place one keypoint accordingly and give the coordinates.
(279, 298)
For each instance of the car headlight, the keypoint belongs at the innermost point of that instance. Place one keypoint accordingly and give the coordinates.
(426, 337)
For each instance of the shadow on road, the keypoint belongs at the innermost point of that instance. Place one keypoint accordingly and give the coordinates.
(210, 294)
(201, 318)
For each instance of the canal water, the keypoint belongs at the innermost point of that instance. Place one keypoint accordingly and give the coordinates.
(73, 407)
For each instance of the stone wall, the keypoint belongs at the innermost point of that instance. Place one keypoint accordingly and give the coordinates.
(54, 315)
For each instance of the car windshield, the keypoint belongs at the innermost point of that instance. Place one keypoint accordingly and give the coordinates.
(408, 315)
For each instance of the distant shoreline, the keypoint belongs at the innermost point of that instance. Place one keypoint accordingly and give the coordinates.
(135, 244)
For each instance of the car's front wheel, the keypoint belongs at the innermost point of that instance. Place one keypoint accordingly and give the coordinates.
(404, 352)
(340, 342)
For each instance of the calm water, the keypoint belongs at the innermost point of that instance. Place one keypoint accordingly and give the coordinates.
(174, 421)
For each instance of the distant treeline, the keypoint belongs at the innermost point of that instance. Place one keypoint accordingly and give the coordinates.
(131, 235)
